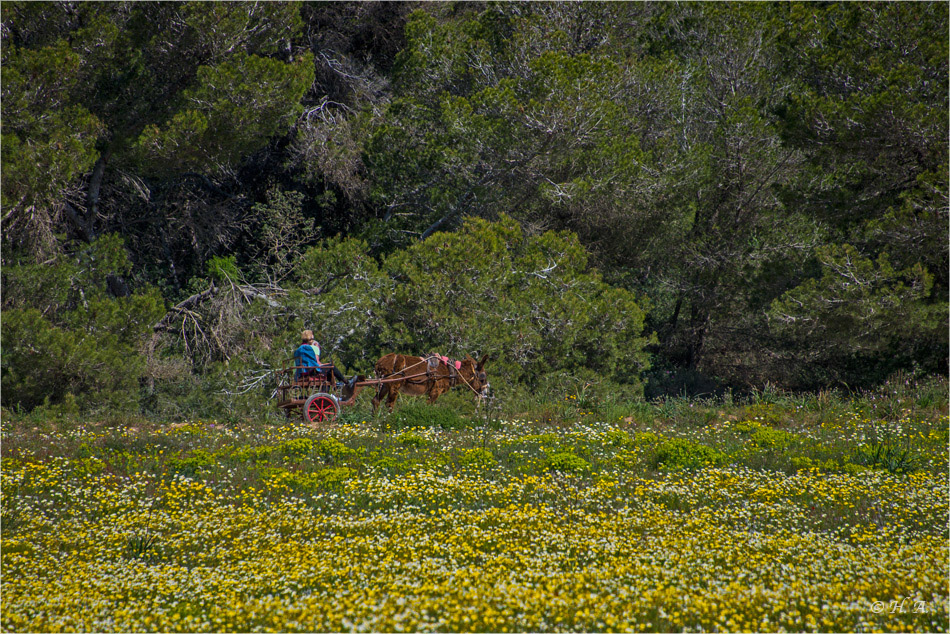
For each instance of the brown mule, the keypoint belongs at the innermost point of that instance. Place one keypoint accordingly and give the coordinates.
(430, 376)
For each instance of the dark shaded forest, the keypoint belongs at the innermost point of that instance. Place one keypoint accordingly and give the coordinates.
(656, 198)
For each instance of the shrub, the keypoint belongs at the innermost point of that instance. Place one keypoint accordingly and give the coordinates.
(617, 438)
(297, 448)
(772, 439)
(330, 478)
(680, 453)
(802, 462)
(645, 438)
(333, 450)
(252, 454)
(566, 462)
(540, 439)
(393, 466)
(885, 455)
(409, 439)
(766, 437)
(199, 460)
(478, 456)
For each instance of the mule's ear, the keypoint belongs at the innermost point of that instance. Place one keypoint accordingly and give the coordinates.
(485, 359)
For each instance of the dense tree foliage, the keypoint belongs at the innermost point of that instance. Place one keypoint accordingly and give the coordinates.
(66, 338)
(752, 192)
(869, 115)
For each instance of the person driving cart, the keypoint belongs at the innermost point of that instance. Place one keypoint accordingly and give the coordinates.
(307, 359)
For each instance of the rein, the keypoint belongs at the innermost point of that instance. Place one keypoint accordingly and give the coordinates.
(454, 377)
(468, 385)
(390, 379)
(456, 374)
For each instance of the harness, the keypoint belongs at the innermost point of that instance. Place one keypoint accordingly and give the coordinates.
(433, 361)
(445, 360)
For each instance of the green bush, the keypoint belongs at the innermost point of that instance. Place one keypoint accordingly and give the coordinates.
(802, 462)
(298, 447)
(886, 455)
(680, 453)
(566, 462)
(249, 453)
(392, 466)
(409, 439)
(333, 450)
(645, 439)
(766, 437)
(199, 461)
(772, 439)
(617, 438)
(478, 456)
(539, 439)
(329, 478)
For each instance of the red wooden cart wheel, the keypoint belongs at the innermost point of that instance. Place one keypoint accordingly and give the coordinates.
(320, 408)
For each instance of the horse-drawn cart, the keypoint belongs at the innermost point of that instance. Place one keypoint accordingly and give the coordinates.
(319, 397)
(313, 391)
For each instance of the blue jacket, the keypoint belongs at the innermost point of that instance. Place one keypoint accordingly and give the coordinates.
(306, 355)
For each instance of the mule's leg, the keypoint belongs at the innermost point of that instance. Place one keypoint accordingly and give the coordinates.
(391, 401)
(381, 393)
(435, 393)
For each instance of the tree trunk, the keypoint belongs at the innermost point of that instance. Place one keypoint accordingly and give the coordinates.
(92, 195)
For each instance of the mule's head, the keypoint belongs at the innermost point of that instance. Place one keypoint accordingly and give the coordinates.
(479, 380)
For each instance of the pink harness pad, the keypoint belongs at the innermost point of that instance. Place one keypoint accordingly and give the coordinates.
(447, 361)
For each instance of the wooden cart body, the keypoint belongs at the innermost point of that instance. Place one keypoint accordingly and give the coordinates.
(314, 391)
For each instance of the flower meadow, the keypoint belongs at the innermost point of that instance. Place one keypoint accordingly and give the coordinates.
(754, 518)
